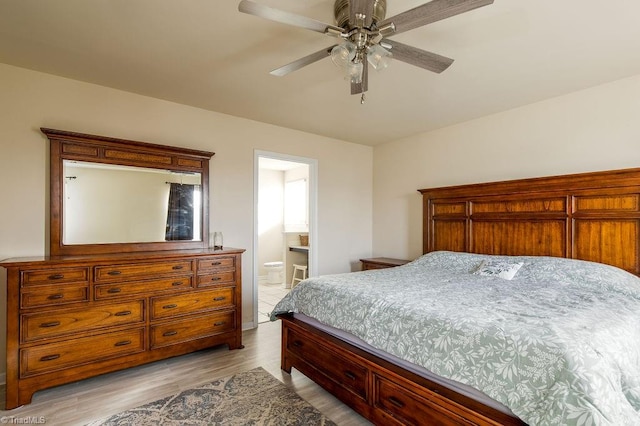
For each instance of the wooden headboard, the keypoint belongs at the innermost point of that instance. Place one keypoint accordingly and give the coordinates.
(588, 216)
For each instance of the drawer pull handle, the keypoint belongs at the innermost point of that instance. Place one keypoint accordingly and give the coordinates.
(50, 324)
(171, 306)
(123, 343)
(114, 290)
(216, 263)
(177, 267)
(218, 299)
(177, 283)
(396, 402)
(123, 313)
(56, 296)
(215, 278)
(169, 333)
(114, 273)
(297, 343)
(56, 276)
(50, 357)
(350, 375)
(219, 323)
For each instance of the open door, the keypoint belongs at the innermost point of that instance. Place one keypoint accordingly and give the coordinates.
(285, 231)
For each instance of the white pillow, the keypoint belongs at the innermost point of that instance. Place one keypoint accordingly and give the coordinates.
(498, 268)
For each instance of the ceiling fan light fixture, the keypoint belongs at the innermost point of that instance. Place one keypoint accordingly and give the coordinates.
(364, 33)
(379, 57)
(343, 54)
(354, 72)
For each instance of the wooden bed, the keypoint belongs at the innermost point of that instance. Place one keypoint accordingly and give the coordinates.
(589, 216)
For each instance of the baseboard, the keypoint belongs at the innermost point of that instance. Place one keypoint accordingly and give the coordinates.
(249, 325)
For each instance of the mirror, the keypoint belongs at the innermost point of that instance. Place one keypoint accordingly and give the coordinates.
(106, 204)
(116, 196)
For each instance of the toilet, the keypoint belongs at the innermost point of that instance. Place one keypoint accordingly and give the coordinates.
(274, 272)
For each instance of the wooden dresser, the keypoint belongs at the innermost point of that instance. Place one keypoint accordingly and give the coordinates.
(73, 317)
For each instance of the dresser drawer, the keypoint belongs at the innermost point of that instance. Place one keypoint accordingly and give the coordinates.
(53, 295)
(57, 323)
(216, 279)
(192, 302)
(107, 291)
(345, 372)
(41, 359)
(218, 262)
(54, 276)
(408, 408)
(192, 328)
(114, 273)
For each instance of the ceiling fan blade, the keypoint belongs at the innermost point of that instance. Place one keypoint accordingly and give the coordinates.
(283, 17)
(418, 57)
(362, 7)
(431, 12)
(357, 88)
(302, 62)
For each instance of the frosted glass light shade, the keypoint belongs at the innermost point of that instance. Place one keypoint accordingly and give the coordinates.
(354, 72)
(343, 54)
(379, 57)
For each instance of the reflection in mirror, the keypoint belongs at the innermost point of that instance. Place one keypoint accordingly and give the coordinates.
(105, 203)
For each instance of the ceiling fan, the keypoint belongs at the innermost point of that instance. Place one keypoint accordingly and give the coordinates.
(363, 30)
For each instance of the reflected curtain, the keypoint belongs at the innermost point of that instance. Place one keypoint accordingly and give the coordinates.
(180, 213)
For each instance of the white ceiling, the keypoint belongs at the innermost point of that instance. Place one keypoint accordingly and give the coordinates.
(206, 54)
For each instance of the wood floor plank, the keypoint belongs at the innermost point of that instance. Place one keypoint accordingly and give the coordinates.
(98, 397)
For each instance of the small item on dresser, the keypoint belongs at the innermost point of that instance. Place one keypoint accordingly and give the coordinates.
(217, 240)
(304, 240)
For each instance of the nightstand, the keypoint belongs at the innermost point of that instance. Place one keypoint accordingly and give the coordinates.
(381, 263)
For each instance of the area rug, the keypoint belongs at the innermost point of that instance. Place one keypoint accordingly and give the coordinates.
(254, 397)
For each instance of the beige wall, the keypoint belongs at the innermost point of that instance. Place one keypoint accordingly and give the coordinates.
(30, 100)
(590, 130)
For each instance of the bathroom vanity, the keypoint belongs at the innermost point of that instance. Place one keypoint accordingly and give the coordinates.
(295, 253)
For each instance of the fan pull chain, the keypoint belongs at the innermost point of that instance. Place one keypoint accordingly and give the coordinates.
(362, 99)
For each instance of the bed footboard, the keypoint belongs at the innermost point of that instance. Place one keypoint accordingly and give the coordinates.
(377, 389)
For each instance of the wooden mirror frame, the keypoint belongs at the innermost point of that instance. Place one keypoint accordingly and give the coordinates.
(101, 149)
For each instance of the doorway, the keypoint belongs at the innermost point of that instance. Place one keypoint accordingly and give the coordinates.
(285, 226)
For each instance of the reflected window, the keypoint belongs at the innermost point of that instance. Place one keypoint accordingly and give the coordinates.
(181, 220)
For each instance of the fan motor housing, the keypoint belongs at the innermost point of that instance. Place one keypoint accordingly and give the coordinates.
(341, 12)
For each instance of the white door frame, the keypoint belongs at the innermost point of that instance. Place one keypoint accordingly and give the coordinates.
(313, 215)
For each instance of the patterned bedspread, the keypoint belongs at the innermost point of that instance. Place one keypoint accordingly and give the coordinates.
(559, 344)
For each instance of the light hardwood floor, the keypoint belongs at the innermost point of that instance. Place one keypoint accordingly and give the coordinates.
(81, 402)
